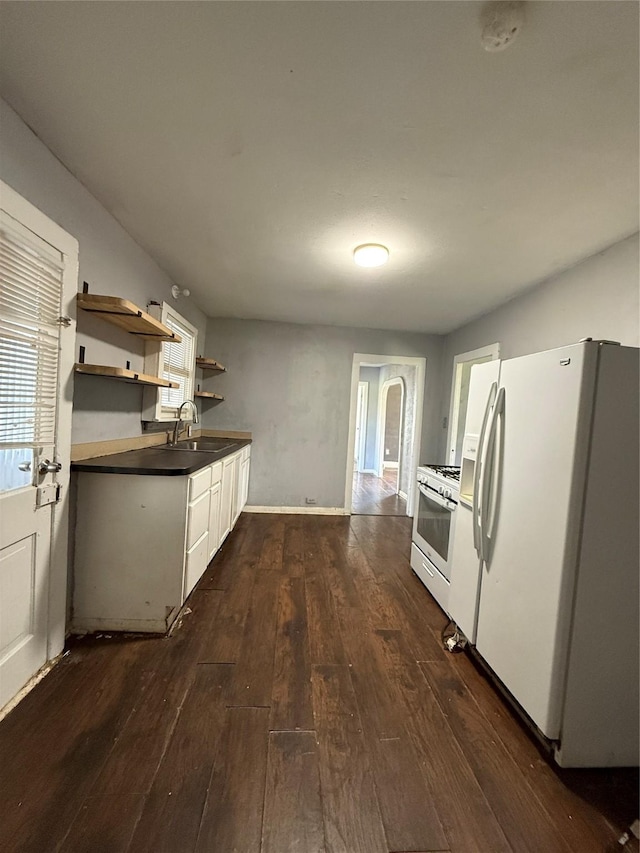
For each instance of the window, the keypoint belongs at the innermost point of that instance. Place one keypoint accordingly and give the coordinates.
(31, 275)
(174, 362)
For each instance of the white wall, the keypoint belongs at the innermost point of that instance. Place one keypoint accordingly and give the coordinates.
(597, 298)
(290, 385)
(110, 260)
(371, 375)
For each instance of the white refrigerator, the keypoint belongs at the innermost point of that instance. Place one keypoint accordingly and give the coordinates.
(545, 563)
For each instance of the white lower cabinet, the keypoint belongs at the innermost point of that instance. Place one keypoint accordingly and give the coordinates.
(226, 497)
(143, 542)
(214, 515)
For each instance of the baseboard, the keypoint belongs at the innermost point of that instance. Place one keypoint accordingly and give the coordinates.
(368, 471)
(402, 495)
(299, 510)
(390, 465)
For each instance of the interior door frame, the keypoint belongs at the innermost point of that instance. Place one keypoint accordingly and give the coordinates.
(491, 351)
(44, 228)
(367, 359)
(364, 412)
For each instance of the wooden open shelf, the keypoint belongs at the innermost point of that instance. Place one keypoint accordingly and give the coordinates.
(128, 316)
(208, 395)
(210, 364)
(124, 375)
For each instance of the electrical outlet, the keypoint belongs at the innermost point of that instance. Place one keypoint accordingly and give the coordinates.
(310, 501)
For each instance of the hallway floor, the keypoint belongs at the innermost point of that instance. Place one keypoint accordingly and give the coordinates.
(377, 495)
(304, 704)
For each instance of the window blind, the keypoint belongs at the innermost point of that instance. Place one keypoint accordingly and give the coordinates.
(30, 299)
(178, 365)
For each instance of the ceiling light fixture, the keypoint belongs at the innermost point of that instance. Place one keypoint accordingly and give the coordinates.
(371, 255)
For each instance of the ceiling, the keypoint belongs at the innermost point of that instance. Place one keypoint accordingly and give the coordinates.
(250, 146)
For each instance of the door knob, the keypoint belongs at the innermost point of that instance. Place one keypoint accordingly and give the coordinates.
(47, 467)
(24, 466)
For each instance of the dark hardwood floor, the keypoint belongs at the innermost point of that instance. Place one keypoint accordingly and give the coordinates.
(305, 704)
(373, 495)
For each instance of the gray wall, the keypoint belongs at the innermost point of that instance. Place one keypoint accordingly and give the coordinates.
(113, 264)
(290, 385)
(392, 421)
(372, 376)
(597, 298)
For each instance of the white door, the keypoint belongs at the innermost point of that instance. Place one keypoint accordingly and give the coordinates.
(528, 580)
(38, 285)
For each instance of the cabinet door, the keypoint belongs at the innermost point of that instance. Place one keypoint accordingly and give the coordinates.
(195, 564)
(226, 498)
(197, 518)
(214, 519)
(244, 483)
(238, 488)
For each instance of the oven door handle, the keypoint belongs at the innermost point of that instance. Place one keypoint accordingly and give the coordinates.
(436, 498)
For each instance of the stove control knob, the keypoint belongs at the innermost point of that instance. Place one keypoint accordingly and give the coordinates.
(441, 490)
(447, 493)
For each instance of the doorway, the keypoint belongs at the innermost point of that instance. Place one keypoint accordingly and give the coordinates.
(462, 365)
(384, 434)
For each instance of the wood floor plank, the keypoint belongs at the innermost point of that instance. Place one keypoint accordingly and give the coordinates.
(136, 755)
(525, 822)
(173, 808)
(291, 706)
(325, 641)
(467, 817)
(273, 546)
(408, 814)
(410, 819)
(352, 819)
(373, 495)
(224, 641)
(232, 818)
(293, 808)
(293, 547)
(46, 773)
(583, 826)
(253, 675)
(104, 824)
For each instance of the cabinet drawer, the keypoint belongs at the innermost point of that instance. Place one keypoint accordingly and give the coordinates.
(199, 483)
(216, 473)
(198, 519)
(195, 564)
(434, 581)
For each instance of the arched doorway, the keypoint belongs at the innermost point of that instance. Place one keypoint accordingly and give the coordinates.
(391, 427)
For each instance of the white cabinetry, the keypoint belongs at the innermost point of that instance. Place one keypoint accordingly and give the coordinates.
(144, 541)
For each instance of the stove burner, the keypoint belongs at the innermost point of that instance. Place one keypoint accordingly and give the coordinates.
(450, 471)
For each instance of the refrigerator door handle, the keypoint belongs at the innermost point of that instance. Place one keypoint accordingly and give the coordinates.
(477, 521)
(487, 480)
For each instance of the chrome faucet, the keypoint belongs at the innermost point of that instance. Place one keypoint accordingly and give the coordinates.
(176, 429)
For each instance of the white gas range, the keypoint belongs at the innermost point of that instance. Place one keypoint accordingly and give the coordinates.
(437, 501)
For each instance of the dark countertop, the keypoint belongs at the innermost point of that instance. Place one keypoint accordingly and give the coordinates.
(158, 461)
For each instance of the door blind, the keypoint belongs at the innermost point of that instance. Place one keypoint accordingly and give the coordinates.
(30, 299)
(178, 364)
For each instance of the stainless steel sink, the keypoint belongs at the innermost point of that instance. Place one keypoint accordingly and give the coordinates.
(204, 445)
